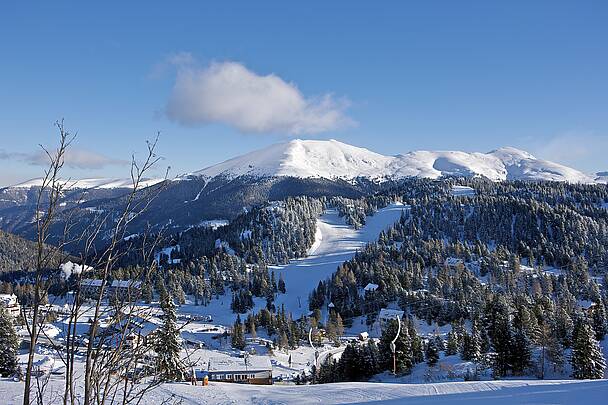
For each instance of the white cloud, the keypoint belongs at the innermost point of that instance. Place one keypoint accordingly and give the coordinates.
(229, 93)
(75, 158)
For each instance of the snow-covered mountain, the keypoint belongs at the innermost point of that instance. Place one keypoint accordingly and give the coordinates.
(95, 183)
(336, 160)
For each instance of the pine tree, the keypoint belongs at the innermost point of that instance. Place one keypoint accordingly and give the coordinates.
(501, 334)
(555, 353)
(167, 346)
(599, 320)
(238, 335)
(281, 286)
(520, 345)
(431, 353)
(416, 343)
(452, 345)
(252, 328)
(588, 361)
(8, 345)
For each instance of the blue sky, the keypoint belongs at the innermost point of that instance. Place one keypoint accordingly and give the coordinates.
(390, 76)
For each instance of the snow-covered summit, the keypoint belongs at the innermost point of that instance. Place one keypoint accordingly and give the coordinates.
(304, 158)
(336, 160)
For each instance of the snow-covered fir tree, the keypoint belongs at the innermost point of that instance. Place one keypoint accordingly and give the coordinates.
(167, 345)
(8, 345)
(588, 361)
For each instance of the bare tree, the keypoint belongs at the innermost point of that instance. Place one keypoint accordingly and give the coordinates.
(115, 354)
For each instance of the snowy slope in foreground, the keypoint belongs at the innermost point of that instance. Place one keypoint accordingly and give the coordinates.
(479, 392)
(332, 159)
(508, 392)
(102, 183)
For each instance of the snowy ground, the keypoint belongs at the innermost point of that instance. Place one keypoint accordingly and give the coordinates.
(477, 392)
(496, 392)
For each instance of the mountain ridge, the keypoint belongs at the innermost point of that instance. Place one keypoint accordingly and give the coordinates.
(337, 160)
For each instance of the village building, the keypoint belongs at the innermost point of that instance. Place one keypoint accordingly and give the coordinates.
(90, 288)
(370, 287)
(125, 289)
(247, 370)
(453, 262)
(11, 304)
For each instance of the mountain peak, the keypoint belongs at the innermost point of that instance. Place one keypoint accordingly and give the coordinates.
(511, 152)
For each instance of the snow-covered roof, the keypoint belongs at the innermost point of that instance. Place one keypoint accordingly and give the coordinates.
(228, 363)
(463, 191)
(453, 261)
(125, 284)
(371, 287)
(87, 282)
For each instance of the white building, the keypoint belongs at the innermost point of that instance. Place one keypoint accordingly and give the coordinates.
(10, 303)
(90, 288)
(248, 370)
(121, 289)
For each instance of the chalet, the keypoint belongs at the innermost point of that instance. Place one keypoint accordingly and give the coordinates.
(363, 336)
(10, 303)
(248, 370)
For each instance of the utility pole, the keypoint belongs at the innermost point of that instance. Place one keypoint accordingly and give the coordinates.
(393, 347)
(316, 350)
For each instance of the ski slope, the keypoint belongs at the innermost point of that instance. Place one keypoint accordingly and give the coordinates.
(509, 392)
(335, 243)
(478, 392)
(338, 243)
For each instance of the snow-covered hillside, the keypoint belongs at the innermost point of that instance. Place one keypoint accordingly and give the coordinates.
(335, 243)
(333, 159)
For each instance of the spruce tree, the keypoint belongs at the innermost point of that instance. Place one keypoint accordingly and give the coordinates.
(281, 286)
(452, 344)
(587, 360)
(555, 353)
(432, 353)
(520, 346)
(600, 326)
(167, 347)
(8, 345)
(238, 335)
